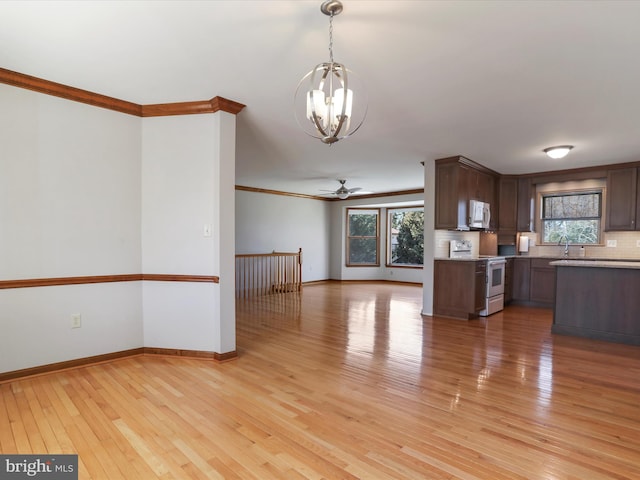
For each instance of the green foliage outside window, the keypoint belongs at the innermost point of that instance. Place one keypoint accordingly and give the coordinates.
(406, 236)
(362, 237)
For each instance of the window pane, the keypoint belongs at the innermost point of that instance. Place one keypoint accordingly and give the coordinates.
(406, 238)
(576, 231)
(363, 237)
(572, 206)
(572, 216)
(363, 251)
(363, 225)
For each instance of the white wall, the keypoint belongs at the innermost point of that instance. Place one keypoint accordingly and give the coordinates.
(88, 191)
(338, 268)
(267, 222)
(69, 206)
(180, 196)
(430, 243)
(36, 323)
(225, 216)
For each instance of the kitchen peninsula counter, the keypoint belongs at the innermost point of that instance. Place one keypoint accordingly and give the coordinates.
(598, 299)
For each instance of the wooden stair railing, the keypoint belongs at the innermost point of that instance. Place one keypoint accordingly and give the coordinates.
(268, 273)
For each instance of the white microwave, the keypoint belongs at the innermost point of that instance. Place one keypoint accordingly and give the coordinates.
(479, 214)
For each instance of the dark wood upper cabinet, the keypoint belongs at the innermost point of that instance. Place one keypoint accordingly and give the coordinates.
(451, 201)
(513, 198)
(622, 199)
(473, 185)
(481, 186)
(487, 187)
(526, 205)
(508, 205)
(459, 180)
(637, 224)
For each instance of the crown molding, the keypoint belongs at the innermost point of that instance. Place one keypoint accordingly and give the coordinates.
(47, 87)
(278, 192)
(69, 93)
(216, 104)
(329, 199)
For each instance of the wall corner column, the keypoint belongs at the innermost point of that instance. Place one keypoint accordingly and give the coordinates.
(429, 236)
(225, 206)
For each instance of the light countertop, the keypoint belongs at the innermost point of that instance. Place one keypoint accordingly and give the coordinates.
(595, 263)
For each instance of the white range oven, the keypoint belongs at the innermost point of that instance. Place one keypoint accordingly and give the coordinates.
(494, 301)
(496, 266)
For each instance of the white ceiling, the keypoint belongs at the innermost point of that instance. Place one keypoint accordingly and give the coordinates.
(495, 81)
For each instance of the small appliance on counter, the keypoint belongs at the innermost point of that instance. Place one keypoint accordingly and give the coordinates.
(460, 249)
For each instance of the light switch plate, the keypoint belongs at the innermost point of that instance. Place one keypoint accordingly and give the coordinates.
(76, 320)
(612, 243)
(637, 243)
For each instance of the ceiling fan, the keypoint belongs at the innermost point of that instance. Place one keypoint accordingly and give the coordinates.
(343, 192)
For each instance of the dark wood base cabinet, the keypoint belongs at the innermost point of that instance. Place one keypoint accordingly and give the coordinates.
(459, 288)
(600, 303)
(521, 279)
(533, 281)
(508, 281)
(542, 282)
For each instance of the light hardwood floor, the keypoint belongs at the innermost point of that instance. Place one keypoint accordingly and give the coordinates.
(347, 381)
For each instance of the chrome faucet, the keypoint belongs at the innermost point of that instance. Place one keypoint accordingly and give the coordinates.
(566, 244)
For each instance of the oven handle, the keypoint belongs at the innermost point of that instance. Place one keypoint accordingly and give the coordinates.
(496, 262)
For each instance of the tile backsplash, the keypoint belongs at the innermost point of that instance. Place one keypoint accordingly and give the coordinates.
(626, 245)
(443, 237)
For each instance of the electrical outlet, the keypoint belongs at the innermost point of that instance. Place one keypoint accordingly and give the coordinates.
(637, 243)
(76, 320)
(612, 243)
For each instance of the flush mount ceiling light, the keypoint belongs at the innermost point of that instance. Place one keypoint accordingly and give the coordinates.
(560, 151)
(325, 104)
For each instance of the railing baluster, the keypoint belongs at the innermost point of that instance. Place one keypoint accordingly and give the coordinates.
(266, 273)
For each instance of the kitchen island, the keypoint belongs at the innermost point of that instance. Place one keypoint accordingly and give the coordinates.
(598, 299)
